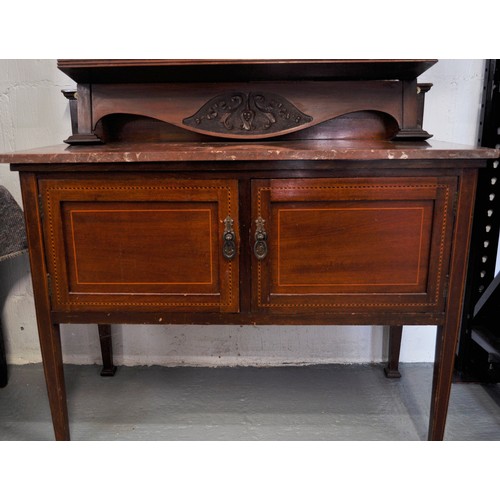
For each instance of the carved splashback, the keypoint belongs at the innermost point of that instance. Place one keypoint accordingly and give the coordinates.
(249, 111)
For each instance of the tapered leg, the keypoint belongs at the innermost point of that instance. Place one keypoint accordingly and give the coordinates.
(392, 368)
(50, 343)
(108, 368)
(441, 385)
(447, 334)
(48, 332)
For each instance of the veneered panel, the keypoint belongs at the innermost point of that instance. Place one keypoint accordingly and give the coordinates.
(348, 243)
(132, 246)
(149, 245)
(345, 247)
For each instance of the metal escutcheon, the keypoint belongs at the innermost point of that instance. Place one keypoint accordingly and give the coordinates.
(229, 239)
(260, 245)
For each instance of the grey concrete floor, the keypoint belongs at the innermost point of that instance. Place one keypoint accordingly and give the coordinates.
(307, 403)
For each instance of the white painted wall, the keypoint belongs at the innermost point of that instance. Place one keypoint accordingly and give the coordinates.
(34, 113)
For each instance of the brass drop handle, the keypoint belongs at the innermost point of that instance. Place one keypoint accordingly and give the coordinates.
(228, 239)
(260, 245)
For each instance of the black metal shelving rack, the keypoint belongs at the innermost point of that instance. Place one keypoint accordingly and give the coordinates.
(478, 354)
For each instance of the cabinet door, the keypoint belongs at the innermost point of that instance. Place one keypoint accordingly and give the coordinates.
(152, 245)
(342, 244)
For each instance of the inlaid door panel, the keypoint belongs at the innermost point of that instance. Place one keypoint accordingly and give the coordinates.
(141, 245)
(345, 243)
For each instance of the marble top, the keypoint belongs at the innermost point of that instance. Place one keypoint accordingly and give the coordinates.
(245, 151)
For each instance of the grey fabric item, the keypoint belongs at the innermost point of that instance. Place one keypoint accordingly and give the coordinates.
(12, 230)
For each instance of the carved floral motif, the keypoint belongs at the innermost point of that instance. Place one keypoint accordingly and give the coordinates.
(252, 113)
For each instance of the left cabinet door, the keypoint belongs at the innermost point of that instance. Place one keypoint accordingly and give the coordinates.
(145, 244)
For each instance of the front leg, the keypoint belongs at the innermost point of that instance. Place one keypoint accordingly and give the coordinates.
(48, 332)
(447, 334)
(50, 343)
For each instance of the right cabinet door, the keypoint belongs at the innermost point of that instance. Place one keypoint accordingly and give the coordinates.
(346, 244)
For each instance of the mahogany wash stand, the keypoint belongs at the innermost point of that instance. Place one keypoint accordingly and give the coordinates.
(286, 192)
